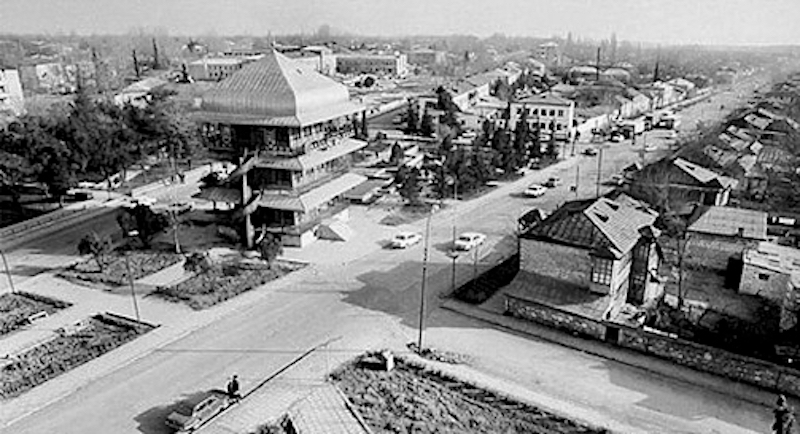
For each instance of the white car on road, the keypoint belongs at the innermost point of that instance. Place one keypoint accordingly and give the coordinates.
(405, 239)
(535, 190)
(468, 240)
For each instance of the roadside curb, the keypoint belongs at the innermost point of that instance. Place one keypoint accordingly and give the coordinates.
(651, 364)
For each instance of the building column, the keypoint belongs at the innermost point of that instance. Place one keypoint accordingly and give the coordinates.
(249, 232)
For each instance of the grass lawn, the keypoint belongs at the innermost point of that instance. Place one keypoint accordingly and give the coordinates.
(143, 263)
(16, 308)
(412, 398)
(221, 283)
(97, 336)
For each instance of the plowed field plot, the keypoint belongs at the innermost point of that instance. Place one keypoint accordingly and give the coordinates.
(412, 398)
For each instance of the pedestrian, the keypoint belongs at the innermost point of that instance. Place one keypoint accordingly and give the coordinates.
(233, 389)
(784, 417)
(182, 176)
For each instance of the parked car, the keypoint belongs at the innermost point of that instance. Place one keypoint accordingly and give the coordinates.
(193, 413)
(143, 200)
(468, 240)
(590, 152)
(535, 190)
(554, 181)
(405, 239)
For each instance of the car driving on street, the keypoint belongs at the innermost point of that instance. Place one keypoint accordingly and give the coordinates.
(405, 239)
(535, 190)
(468, 240)
(554, 181)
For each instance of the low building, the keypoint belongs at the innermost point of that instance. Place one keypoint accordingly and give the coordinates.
(139, 93)
(772, 272)
(395, 65)
(715, 234)
(682, 182)
(590, 257)
(293, 132)
(12, 102)
(316, 57)
(215, 69)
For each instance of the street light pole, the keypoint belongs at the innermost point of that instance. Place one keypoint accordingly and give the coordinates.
(8, 271)
(130, 282)
(424, 278)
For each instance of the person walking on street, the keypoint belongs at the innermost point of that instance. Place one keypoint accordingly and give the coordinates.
(233, 389)
(784, 417)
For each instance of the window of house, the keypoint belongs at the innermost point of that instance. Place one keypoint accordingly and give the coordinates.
(552, 112)
(561, 112)
(601, 270)
(535, 112)
(762, 276)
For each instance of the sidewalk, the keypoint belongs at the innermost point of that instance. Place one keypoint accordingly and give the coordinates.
(718, 384)
(173, 320)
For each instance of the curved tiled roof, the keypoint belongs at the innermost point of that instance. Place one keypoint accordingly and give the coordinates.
(276, 90)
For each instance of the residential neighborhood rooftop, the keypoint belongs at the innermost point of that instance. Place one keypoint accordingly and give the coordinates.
(729, 221)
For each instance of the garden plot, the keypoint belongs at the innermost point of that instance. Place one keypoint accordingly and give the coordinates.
(72, 347)
(18, 309)
(115, 271)
(412, 398)
(222, 282)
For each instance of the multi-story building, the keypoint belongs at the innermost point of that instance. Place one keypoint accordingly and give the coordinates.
(215, 69)
(12, 103)
(426, 57)
(318, 58)
(379, 64)
(549, 114)
(292, 131)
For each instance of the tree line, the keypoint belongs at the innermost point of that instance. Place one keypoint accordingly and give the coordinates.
(92, 139)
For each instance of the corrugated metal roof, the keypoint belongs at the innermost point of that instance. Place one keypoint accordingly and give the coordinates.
(220, 194)
(727, 221)
(702, 174)
(277, 91)
(619, 223)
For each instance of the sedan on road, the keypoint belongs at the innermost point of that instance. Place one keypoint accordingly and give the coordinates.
(405, 239)
(554, 181)
(199, 409)
(468, 240)
(535, 190)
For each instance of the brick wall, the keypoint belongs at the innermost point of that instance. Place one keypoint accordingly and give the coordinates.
(540, 313)
(569, 264)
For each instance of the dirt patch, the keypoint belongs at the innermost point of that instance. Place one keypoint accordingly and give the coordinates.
(222, 283)
(406, 214)
(73, 347)
(413, 398)
(16, 308)
(115, 272)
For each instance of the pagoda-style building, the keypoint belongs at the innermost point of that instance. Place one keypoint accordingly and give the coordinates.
(291, 130)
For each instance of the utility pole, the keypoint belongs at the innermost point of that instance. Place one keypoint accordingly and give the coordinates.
(577, 178)
(136, 65)
(424, 278)
(8, 271)
(597, 77)
(599, 171)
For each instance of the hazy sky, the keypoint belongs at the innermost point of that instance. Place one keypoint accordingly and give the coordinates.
(663, 21)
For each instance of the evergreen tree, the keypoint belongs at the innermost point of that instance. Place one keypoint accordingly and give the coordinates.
(408, 181)
(412, 118)
(426, 127)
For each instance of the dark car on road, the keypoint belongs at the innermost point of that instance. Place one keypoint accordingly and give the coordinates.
(192, 413)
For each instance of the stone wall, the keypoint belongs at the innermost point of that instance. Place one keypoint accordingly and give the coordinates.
(696, 356)
(713, 360)
(543, 314)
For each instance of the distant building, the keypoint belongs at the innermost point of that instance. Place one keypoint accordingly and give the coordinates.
(139, 93)
(547, 113)
(547, 52)
(292, 129)
(215, 69)
(318, 58)
(426, 57)
(12, 102)
(378, 64)
(57, 77)
(682, 182)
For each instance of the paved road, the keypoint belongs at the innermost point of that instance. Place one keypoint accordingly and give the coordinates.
(370, 297)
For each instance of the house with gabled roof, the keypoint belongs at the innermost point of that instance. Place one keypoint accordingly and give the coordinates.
(679, 181)
(590, 257)
(293, 133)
